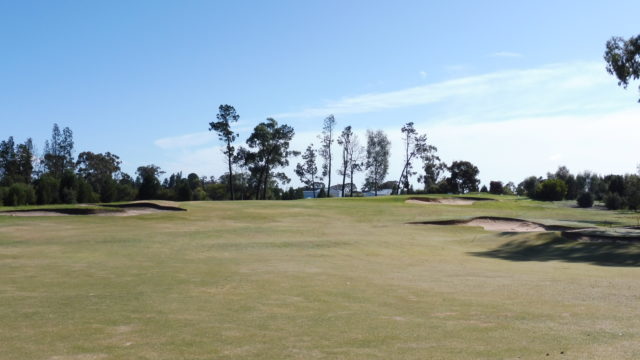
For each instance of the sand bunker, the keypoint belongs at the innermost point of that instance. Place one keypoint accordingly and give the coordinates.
(506, 225)
(499, 224)
(446, 201)
(131, 209)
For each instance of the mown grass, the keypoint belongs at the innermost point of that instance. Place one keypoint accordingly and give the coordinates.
(323, 278)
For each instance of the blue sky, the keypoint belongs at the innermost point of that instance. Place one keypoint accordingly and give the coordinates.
(517, 89)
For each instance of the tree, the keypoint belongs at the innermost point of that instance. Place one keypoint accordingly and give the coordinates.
(16, 164)
(433, 169)
(308, 171)
(632, 192)
(8, 163)
(99, 170)
(496, 187)
(326, 140)
(356, 162)
(270, 144)
(528, 186)
(148, 183)
(24, 158)
(551, 190)
(565, 175)
(585, 200)
(463, 177)
(623, 59)
(377, 163)
(509, 188)
(226, 115)
(414, 146)
(351, 158)
(194, 181)
(58, 153)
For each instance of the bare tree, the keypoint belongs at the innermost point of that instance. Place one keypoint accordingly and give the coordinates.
(346, 140)
(415, 145)
(326, 140)
(226, 115)
(356, 161)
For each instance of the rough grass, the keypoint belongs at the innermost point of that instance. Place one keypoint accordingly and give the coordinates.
(323, 278)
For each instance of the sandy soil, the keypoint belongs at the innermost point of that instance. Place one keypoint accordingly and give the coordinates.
(451, 201)
(505, 225)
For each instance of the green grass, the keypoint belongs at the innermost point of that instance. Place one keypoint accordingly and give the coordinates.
(323, 278)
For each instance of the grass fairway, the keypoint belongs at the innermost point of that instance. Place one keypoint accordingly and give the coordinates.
(307, 279)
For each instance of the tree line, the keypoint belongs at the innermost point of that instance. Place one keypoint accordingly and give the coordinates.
(613, 191)
(256, 170)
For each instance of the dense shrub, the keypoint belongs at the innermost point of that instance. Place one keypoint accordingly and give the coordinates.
(551, 190)
(125, 192)
(613, 201)
(68, 196)
(199, 194)
(19, 194)
(616, 184)
(108, 190)
(484, 189)
(572, 188)
(68, 188)
(632, 191)
(85, 193)
(216, 191)
(47, 190)
(585, 200)
(183, 191)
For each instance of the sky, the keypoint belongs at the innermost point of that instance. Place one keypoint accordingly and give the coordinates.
(516, 88)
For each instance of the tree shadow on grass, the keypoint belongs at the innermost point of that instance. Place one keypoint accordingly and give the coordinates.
(552, 246)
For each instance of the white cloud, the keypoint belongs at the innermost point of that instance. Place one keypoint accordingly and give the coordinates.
(423, 74)
(539, 90)
(507, 54)
(511, 124)
(512, 150)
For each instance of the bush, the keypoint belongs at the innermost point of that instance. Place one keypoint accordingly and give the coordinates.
(19, 194)
(3, 191)
(585, 200)
(613, 201)
(85, 193)
(68, 196)
(484, 189)
(47, 190)
(69, 188)
(216, 191)
(125, 192)
(199, 194)
(183, 191)
(632, 192)
(551, 190)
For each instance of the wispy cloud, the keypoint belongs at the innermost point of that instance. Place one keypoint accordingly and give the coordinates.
(507, 54)
(423, 74)
(547, 83)
(546, 116)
